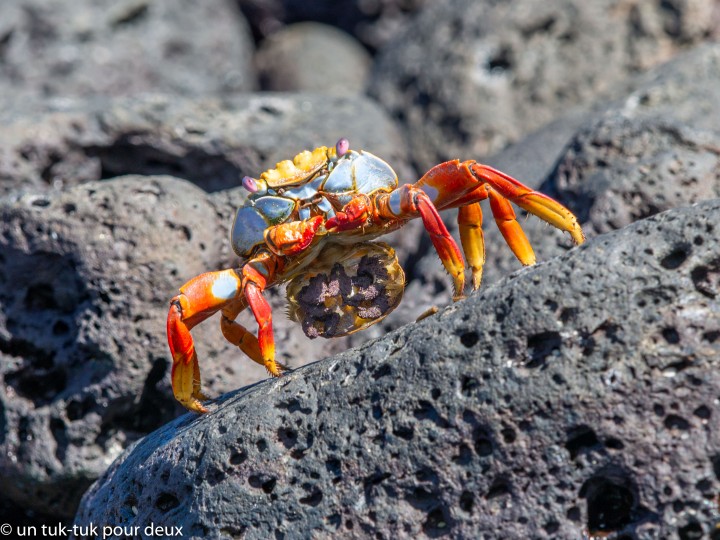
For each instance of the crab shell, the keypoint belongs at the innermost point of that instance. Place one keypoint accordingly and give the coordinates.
(317, 183)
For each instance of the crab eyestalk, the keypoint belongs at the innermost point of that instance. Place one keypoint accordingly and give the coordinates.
(342, 147)
(254, 185)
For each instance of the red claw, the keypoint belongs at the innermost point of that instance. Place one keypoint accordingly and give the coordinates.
(355, 214)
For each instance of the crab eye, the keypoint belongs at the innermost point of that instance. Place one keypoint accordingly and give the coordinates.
(250, 184)
(342, 147)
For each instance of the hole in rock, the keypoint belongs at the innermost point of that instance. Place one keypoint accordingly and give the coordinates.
(611, 502)
(579, 439)
(438, 522)
(675, 258)
(166, 501)
(542, 345)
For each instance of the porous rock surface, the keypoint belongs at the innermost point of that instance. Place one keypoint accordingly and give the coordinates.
(212, 142)
(467, 77)
(374, 23)
(656, 148)
(90, 260)
(123, 47)
(578, 397)
(84, 291)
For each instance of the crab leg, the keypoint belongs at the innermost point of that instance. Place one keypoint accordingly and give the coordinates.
(453, 184)
(236, 333)
(472, 239)
(205, 295)
(510, 229)
(256, 278)
(531, 201)
(199, 299)
(409, 201)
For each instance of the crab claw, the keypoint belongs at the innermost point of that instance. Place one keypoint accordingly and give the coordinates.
(293, 237)
(199, 299)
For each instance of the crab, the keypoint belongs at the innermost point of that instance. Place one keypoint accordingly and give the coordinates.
(311, 222)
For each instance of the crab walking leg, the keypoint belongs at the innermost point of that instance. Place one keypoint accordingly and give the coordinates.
(510, 229)
(255, 281)
(240, 336)
(531, 201)
(472, 239)
(407, 202)
(237, 334)
(199, 299)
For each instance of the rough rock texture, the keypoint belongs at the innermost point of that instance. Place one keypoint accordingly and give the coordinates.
(374, 23)
(88, 266)
(110, 47)
(656, 148)
(620, 170)
(467, 77)
(578, 397)
(313, 57)
(86, 277)
(210, 142)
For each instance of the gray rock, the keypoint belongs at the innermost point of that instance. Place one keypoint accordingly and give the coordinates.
(313, 57)
(91, 47)
(467, 77)
(85, 280)
(652, 150)
(210, 142)
(619, 170)
(578, 397)
(89, 264)
(684, 89)
(374, 23)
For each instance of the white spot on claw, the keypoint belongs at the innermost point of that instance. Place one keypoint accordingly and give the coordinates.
(225, 287)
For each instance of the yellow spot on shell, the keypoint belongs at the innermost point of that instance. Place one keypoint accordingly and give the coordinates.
(304, 165)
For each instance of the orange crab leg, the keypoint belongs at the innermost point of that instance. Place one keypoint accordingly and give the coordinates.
(199, 299)
(454, 183)
(445, 245)
(472, 239)
(236, 333)
(510, 229)
(409, 201)
(255, 280)
(534, 202)
(205, 295)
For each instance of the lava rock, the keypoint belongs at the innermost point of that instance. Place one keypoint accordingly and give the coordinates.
(576, 397)
(109, 47)
(89, 264)
(374, 23)
(210, 142)
(313, 57)
(646, 152)
(467, 77)
(619, 170)
(85, 281)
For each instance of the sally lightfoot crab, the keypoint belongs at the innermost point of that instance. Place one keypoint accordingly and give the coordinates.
(310, 221)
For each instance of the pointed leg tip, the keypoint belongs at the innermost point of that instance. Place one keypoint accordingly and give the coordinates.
(578, 236)
(276, 369)
(194, 405)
